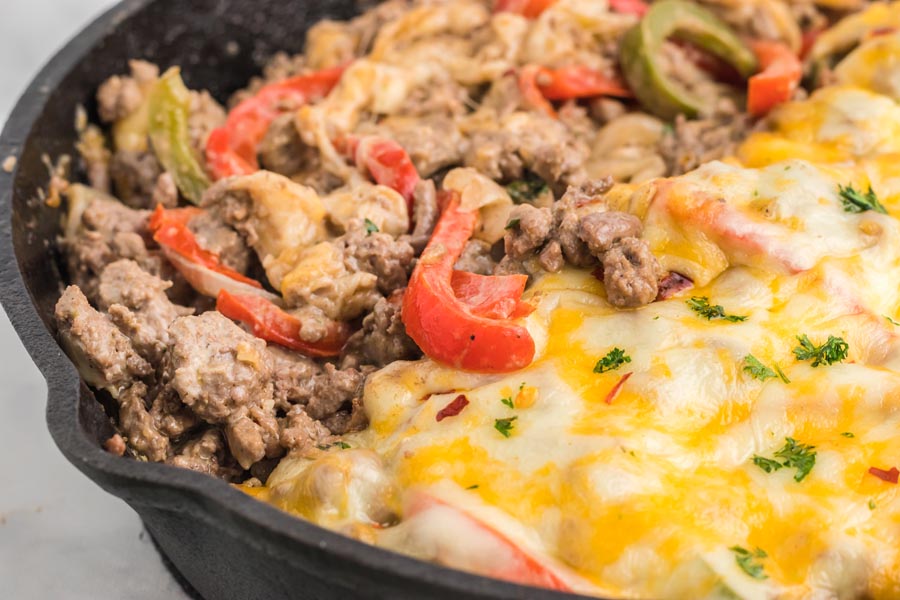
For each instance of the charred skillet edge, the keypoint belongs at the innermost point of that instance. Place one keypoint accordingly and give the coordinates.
(160, 487)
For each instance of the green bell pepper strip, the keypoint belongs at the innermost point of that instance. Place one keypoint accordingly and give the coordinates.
(642, 46)
(170, 103)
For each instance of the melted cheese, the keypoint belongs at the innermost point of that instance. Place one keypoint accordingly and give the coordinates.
(643, 493)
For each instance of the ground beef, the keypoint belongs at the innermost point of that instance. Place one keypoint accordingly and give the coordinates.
(217, 368)
(169, 413)
(382, 339)
(218, 237)
(631, 274)
(425, 215)
(333, 388)
(695, 142)
(106, 358)
(138, 426)
(165, 192)
(292, 375)
(433, 142)
(282, 150)
(380, 254)
(603, 230)
(204, 454)
(476, 258)
(134, 176)
(119, 96)
(530, 229)
(205, 115)
(137, 303)
(301, 432)
(108, 231)
(526, 141)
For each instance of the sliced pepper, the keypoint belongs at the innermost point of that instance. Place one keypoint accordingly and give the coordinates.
(777, 81)
(270, 323)
(170, 230)
(629, 7)
(530, 9)
(385, 160)
(579, 81)
(492, 296)
(528, 87)
(642, 48)
(446, 328)
(231, 149)
(169, 108)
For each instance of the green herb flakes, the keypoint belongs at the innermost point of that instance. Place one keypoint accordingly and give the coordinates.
(505, 426)
(832, 351)
(855, 201)
(750, 562)
(612, 361)
(701, 306)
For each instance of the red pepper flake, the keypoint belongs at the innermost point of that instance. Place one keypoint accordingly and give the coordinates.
(453, 409)
(889, 476)
(617, 388)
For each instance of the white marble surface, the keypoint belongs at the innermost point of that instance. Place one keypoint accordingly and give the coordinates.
(61, 536)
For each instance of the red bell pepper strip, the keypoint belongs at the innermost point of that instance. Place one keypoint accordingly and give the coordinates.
(445, 327)
(492, 296)
(270, 323)
(452, 409)
(388, 164)
(530, 9)
(231, 149)
(617, 388)
(889, 476)
(491, 551)
(170, 230)
(579, 81)
(528, 87)
(629, 7)
(779, 77)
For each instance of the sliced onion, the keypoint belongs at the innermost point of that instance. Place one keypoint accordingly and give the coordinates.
(210, 283)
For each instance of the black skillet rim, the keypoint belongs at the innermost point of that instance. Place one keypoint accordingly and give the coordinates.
(64, 383)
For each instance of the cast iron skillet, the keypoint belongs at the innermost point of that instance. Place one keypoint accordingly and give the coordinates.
(224, 543)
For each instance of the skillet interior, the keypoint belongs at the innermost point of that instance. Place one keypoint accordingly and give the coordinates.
(224, 543)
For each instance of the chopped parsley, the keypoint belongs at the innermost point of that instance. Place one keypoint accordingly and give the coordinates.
(371, 227)
(871, 505)
(701, 306)
(341, 445)
(750, 562)
(505, 426)
(832, 351)
(855, 201)
(527, 189)
(472, 487)
(757, 370)
(792, 455)
(848, 434)
(508, 401)
(891, 321)
(513, 224)
(612, 361)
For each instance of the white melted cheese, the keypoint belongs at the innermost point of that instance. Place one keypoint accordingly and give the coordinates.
(645, 492)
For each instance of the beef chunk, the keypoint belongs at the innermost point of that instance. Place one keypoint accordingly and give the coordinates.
(425, 215)
(382, 339)
(215, 235)
(631, 274)
(205, 115)
(104, 356)
(292, 375)
(137, 303)
(138, 426)
(696, 142)
(476, 258)
(282, 150)
(602, 230)
(119, 96)
(301, 432)
(379, 254)
(134, 176)
(333, 389)
(204, 454)
(218, 369)
(529, 230)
